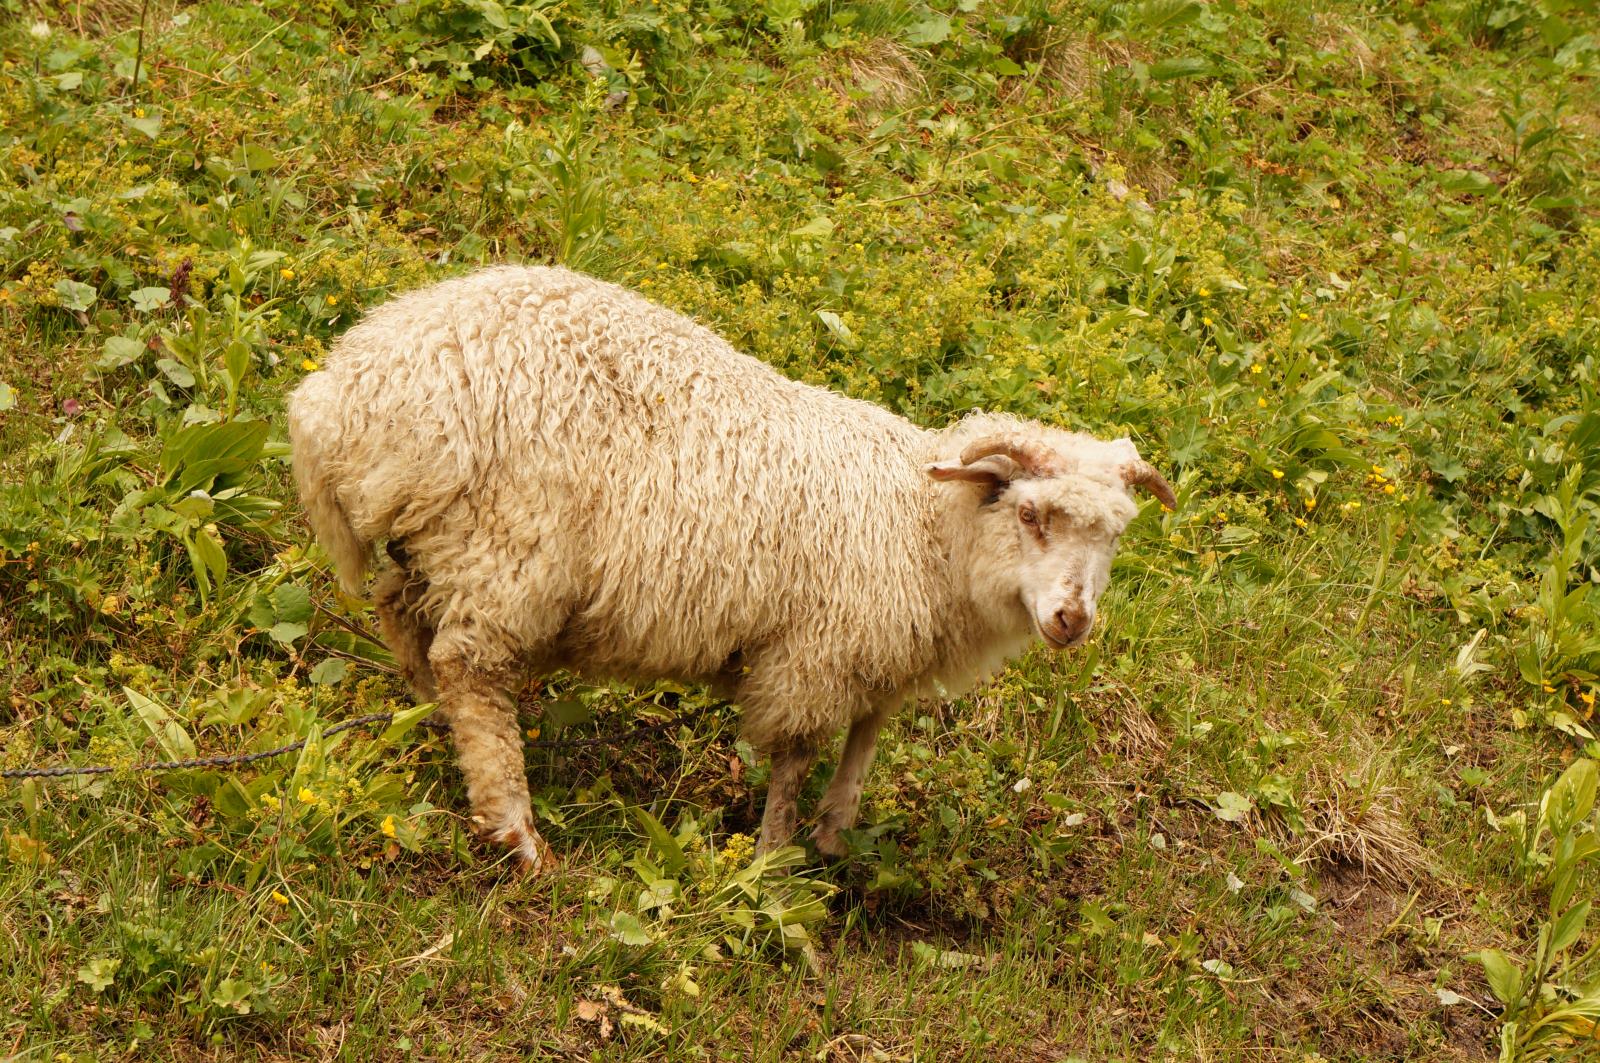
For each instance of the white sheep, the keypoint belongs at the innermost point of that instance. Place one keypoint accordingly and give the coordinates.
(570, 476)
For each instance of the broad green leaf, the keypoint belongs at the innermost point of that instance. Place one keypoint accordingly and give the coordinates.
(118, 351)
(197, 455)
(1232, 807)
(291, 602)
(932, 30)
(1187, 66)
(236, 360)
(147, 299)
(330, 671)
(818, 228)
(75, 295)
(567, 712)
(286, 633)
(626, 928)
(836, 325)
(1569, 927)
(169, 733)
(666, 846)
(1505, 979)
(8, 397)
(1572, 797)
(176, 371)
(149, 126)
(209, 549)
(100, 972)
(1165, 14)
(406, 719)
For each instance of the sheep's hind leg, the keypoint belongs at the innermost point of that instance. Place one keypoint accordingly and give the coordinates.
(791, 764)
(483, 721)
(396, 595)
(839, 805)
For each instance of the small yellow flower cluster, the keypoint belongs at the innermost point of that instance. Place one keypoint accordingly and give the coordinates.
(1378, 480)
(737, 850)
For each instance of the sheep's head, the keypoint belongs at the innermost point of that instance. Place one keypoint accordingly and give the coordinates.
(1067, 512)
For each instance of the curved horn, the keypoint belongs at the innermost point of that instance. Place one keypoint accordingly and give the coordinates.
(1035, 458)
(1143, 474)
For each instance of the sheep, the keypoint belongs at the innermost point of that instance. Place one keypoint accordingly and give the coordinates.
(570, 476)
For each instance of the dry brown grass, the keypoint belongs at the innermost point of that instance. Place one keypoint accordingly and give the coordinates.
(1354, 819)
(878, 75)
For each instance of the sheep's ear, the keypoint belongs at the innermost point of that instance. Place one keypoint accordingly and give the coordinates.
(996, 469)
(1125, 450)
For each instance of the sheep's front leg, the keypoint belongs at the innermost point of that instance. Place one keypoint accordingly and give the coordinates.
(396, 594)
(790, 766)
(838, 808)
(483, 720)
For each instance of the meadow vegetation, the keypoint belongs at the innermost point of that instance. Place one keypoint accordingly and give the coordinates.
(1322, 787)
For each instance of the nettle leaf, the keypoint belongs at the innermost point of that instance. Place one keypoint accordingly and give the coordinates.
(291, 603)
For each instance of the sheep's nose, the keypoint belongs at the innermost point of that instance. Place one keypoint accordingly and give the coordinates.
(1073, 621)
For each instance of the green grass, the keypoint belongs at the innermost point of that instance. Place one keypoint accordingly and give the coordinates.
(1334, 267)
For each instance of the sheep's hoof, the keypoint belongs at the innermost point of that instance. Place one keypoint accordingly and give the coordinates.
(829, 843)
(529, 852)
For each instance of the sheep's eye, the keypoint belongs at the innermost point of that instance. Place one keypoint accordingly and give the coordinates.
(1029, 516)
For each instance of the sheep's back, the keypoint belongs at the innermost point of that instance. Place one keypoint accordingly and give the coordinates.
(707, 503)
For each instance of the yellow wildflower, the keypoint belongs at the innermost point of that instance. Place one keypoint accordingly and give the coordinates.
(286, 273)
(308, 365)
(1305, 317)
(1277, 474)
(388, 827)
(306, 796)
(333, 300)
(271, 801)
(1262, 402)
(279, 897)
(1207, 322)
(1300, 522)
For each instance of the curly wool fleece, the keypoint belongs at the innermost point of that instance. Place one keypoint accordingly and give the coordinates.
(571, 476)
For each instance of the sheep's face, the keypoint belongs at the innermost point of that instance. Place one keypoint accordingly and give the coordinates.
(1067, 530)
(1061, 519)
